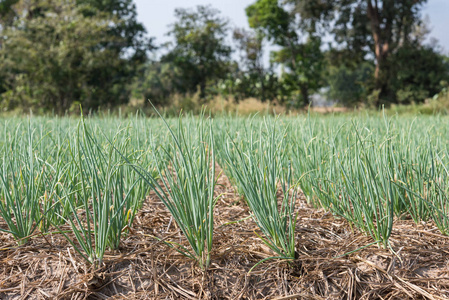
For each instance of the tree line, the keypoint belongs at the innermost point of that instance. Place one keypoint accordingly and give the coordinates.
(58, 54)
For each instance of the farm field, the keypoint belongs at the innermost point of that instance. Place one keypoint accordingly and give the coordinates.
(309, 207)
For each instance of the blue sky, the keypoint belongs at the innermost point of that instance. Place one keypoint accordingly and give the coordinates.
(156, 15)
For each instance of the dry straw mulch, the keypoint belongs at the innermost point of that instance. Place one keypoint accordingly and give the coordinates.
(145, 268)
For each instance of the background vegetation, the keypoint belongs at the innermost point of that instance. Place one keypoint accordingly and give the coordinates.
(56, 55)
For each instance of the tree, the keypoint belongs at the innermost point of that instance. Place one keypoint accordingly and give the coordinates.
(131, 34)
(158, 83)
(300, 55)
(418, 73)
(250, 46)
(57, 58)
(91, 49)
(7, 13)
(240, 84)
(128, 40)
(349, 85)
(374, 27)
(200, 54)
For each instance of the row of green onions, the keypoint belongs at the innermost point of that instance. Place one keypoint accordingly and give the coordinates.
(87, 178)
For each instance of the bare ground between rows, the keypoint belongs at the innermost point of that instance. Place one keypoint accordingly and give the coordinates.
(144, 268)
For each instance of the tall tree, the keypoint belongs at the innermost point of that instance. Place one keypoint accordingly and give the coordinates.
(349, 85)
(128, 41)
(200, 53)
(417, 73)
(57, 58)
(300, 54)
(7, 13)
(130, 32)
(250, 46)
(375, 27)
(107, 46)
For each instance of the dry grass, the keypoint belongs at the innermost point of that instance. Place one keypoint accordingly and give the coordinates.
(220, 105)
(328, 110)
(245, 107)
(144, 268)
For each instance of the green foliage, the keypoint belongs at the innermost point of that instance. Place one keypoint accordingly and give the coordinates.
(302, 61)
(58, 54)
(130, 44)
(349, 86)
(372, 172)
(186, 183)
(7, 13)
(21, 182)
(62, 54)
(250, 78)
(257, 162)
(386, 33)
(417, 73)
(273, 20)
(51, 59)
(106, 199)
(157, 82)
(265, 85)
(130, 35)
(84, 178)
(200, 55)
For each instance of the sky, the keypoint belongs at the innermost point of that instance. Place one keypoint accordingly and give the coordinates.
(157, 15)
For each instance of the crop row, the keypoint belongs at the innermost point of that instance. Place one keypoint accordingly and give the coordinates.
(92, 175)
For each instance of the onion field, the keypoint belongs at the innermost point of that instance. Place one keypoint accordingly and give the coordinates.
(308, 207)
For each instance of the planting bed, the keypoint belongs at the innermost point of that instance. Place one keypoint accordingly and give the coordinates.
(224, 208)
(144, 268)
